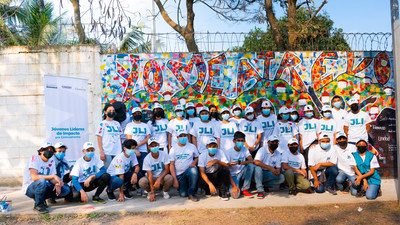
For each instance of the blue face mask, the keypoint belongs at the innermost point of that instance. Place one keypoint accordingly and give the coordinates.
(266, 111)
(89, 155)
(309, 114)
(212, 151)
(237, 112)
(294, 117)
(239, 145)
(60, 155)
(183, 140)
(225, 116)
(328, 115)
(285, 117)
(204, 117)
(190, 112)
(130, 152)
(154, 149)
(179, 114)
(325, 145)
(337, 104)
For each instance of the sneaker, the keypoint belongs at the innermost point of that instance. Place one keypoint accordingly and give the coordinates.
(266, 189)
(282, 186)
(52, 201)
(99, 200)
(379, 192)
(247, 194)
(260, 195)
(293, 192)
(45, 204)
(127, 194)
(360, 194)
(331, 190)
(200, 191)
(145, 193)
(111, 196)
(41, 209)
(166, 195)
(193, 198)
(148, 195)
(224, 197)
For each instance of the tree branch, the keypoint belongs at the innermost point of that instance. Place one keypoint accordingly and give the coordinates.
(301, 4)
(316, 12)
(168, 19)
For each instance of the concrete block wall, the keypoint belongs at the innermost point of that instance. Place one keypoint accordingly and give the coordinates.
(22, 106)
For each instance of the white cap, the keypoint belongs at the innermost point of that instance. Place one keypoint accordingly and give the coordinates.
(308, 108)
(237, 106)
(273, 138)
(249, 109)
(353, 101)
(211, 140)
(204, 108)
(326, 108)
(266, 104)
(136, 109)
(158, 106)
(46, 144)
(178, 107)
(180, 131)
(324, 135)
(283, 110)
(225, 110)
(341, 134)
(292, 110)
(292, 141)
(88, 145)
(59, 145)
(151, 140)
(189, 104)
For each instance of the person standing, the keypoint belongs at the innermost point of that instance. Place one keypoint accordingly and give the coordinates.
(237, 114)
(204, 130)
(226, 129)
(356, 123)
(178, 123)
(338, 114)
(284, 129)
(268, 121)
(253, 130)
(158, 126)
(327, 124)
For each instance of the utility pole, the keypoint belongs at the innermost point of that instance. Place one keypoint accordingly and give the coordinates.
(394, 9)
(153, 35)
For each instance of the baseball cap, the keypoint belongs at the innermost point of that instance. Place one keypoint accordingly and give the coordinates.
(59, 145)
(292, 141)
(283, 110)
(292, 110)
(225, 110)
(324, 135)
(273, 138)
(308, 107)
(266, 104)
(326, 108)
(88, 145)
(46, 144)
(237, 106)
(211, 140)
(189, 104)
(204, 108)
(178, 107)
(352, 101)
(158, 106)
(136, 109)
(341, 134)
(180, 131)
(249, 109)
(151, 140)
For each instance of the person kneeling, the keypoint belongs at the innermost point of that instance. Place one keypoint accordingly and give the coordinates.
(156, 165)
(88, 174)
(124, 169)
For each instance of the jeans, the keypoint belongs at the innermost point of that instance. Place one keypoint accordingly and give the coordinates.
(246, 174)
(115, 182)
(220, 180)
(296, 181)
(165, 183)
(371, 193)
(99, 182)
(108, 160)
(188, 181)
(342, 178)
(42, 189)
(265, 177)
(331, 174)
(140, 161)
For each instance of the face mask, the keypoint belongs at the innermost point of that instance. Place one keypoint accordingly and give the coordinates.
(237, 112)
(239, 145)
(154, 149)
(48, 154)
(325, 145)
(309, 114)
(342, 143)
(158, 113)
(137, 117)
(362, 149)
(183, 140)
(214, 115)
(130, 152)
(250, 117)
(293, 149)
(354, 108)
(204, 117)
(337, 104)
(60, 155)
(179, 114)
(266, 111)
(190, 112)
(111, 114)
(294, 117)
(89, 155)
(273, 147)
(212, 151)
(285, 117)
(225, 116)
(328, 115)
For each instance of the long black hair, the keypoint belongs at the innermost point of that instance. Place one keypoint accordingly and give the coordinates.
(153, 117)
(214, 106)
(194, 114)
(108, 105)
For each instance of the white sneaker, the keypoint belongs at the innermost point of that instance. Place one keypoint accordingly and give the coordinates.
(148, 195)
(166, 195)
(145, 193)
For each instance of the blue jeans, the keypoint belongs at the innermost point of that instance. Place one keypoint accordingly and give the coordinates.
(331, 174)
(140, 161)
(115, 182)
(246, 174)
(265, 177)
(188, 181)
(42, 189)
(342, 178)
(371, 193)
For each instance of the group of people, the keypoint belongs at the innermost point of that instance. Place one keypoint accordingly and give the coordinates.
(209, 151)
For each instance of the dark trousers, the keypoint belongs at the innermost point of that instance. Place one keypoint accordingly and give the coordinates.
(220, 179)
(99, 182)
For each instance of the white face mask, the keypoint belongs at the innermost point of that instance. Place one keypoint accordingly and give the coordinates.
(250, 117)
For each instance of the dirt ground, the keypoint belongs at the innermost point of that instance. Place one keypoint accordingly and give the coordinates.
(374, 212)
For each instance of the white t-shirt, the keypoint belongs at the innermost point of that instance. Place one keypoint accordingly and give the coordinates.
(345, 159)
(271, 159)
(156, 166)
(139, 132)
(123, 126)
(374, 162)
(159, 131)
(251, 129)
(193, 120)
(285, 131)
(175, 125)
(183, 157)
(318, 155)
(227, 130)
(237, 121)
(84, 169)
(339, 116)
(204, 158)
(268, 125)
(235, 156)
(203, 132)
(44, 168)
(296, 161)
(329, 127)
(308, 130)
(357, 126)
(121, 165)
(110, 132)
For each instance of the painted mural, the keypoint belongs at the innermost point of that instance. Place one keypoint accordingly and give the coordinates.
(291, 79)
